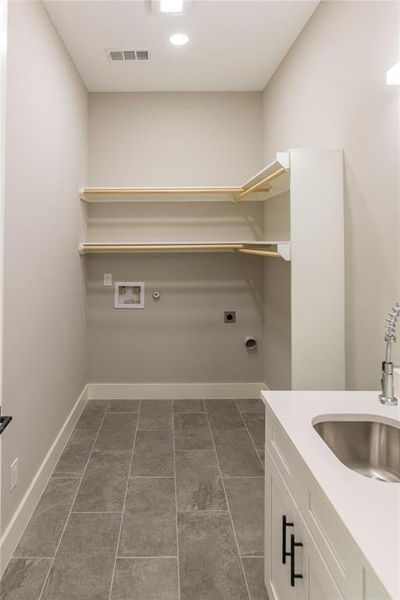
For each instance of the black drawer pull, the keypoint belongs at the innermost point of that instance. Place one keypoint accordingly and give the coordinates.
(293, 574)
(285, 523)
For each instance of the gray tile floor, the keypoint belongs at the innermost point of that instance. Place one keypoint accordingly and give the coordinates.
(151, 500)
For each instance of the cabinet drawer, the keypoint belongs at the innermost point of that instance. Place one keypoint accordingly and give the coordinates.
(285, 456)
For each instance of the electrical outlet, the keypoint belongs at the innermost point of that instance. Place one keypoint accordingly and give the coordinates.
(13, 474)
(107, 279)
(230, 316)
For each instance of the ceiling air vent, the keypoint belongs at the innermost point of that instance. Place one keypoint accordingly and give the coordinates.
(127, 55)
(115, 55)
(142, 55)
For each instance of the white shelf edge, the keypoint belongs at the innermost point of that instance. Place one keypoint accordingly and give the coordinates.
(176, 194)
(282, 161)
(282, 247)
(169, 198)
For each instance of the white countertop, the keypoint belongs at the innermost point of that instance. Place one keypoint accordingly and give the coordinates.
(369, 509)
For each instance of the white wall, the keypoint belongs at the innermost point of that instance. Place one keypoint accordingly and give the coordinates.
(329, 92)
(175, 139)
(45, 325)
(182, 336)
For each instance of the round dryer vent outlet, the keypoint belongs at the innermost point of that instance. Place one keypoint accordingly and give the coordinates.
(250, 343)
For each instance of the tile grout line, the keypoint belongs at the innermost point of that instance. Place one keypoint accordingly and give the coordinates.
(243, 476)
(124, 503)
(96, 512)
(151, 477)
(227, 503)
(64, 476)
(121, 412)
(194, 450)
(167, 557)
(73, 502)
(202, 510)
(249, 434)
(176, 503)
(190, 412)
(259, 458)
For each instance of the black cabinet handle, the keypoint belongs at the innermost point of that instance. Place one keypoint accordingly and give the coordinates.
(285, 523)
(4, 421)
(293, 574)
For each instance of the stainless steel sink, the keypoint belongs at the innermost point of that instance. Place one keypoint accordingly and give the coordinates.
(368, 447)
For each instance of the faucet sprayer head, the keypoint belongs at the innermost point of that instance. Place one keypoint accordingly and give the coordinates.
(387, 396)
(391, 321)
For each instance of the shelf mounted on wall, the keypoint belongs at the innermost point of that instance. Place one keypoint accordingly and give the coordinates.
(271, 181)
(256, 248)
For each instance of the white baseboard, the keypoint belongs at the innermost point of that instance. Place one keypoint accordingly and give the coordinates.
(11, 536)
(167, 391)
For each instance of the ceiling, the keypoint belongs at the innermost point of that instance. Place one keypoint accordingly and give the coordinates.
(235, 45)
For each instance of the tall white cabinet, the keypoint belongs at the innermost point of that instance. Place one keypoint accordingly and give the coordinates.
(317, 269)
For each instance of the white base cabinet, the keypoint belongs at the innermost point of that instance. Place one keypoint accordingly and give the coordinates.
(308, 552)
(294, 567)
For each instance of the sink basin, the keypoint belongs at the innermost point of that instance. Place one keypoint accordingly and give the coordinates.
(368, 447)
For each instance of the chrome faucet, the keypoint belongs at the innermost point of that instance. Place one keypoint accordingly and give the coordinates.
(387, 395)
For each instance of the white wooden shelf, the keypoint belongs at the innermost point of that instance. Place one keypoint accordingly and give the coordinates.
(274, 179)
(261, 248)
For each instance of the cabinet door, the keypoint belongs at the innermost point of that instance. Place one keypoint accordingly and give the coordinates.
(280, 517)
(316, 582)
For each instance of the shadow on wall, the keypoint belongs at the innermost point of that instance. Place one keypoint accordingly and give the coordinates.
(277, 325)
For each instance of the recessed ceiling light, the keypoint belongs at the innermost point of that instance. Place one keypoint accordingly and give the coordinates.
(171, 6)
(179, 39)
